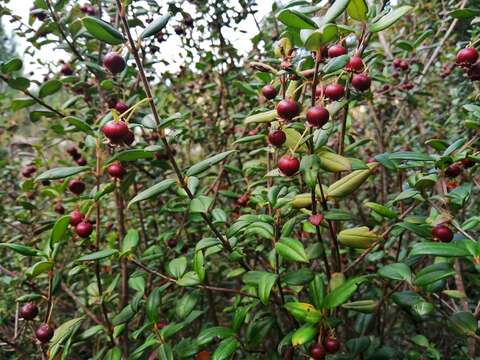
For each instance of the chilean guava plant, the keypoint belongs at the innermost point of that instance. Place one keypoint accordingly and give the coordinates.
(314, 199)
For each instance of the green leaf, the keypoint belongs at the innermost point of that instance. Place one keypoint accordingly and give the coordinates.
(381, 210)
(265, 285)
(20, 249)
(130, 241)
(464, 323)
(165, 352)
(59, 229)
(336, 64)
(439, 249)
(102, 254)
(291, 249)
(342, 293)
(295, 19)
(177, 266)
(131, 155)
(152, 191)
(64, 331)
(314, 39)
(464, 13)
(357, 9)
(263, 117)
(11, 65)
(247, 139)
(207, 335)
(410, 155)
(198, 265)
(49, 88)
(334, 11)
(208, 163)
(397, 271)
(152, 305)
(39, 268)
(304, 312)
(19, 83)
(389, 19)
(79, 124)
(304, 334)
(226, 348)
(102, 30)
(155, 26)
(433, 273)
(316, 291)
(200, 204)
(21, 103)
(61, 173)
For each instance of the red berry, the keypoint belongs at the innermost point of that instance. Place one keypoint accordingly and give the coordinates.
(66, 70)
(332, 345)
(355, 64)
(202, 355)
(442, 233)
(172, 243)
(116, 170)
(59, 209)
(319, 91)
(336, 50)
(453, 170)
(161, 324)
(115, 131)
(317, 116)
(474, 72)
(121, 107)
(467, 163)
(72, 150)
(288, 109)
(269, 92)
(28, 171)
(288, 165)
(129, 138)
(467, 56)
(396, 63)
(334, 91)
(277, 137)
(317, 351)
(84, 229)
(76, 186)
(404, 65)
(76, 217)
(44, 333)
(81, 161)
(243, 200)
(29, 311)
(114, 62)
(361, 82)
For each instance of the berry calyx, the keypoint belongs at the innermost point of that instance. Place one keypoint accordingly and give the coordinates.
(332, 345)
(76, 217)
(453, 170)
(114, 62)
(317, 351)
(44, 333)
(467, 56)
(269, 92)
(442, 233)
(334, 91)
(116, 131)
(355, 64)
(361, 82)
(121, 107)
(84, 229)
(288, 165)
(76, 186)
(336, 50)
(29, 311)
(317, 116)
(277, 137)
(116, 170)
(287, 109)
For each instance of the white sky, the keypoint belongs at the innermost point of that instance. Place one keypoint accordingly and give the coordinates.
(171, 50)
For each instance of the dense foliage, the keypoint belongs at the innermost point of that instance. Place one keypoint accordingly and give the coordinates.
(316, 199)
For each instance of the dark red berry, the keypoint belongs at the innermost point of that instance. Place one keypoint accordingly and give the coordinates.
(59, 209)
(76, 186)
(72, 150)
(288, 165)
(116, 131)
(179, 30)
(334, 91)
(44, 333)
(269, 92)
(288, 109)
(129, 138)
(76, 217)
(66, 70)
(121, 107)
(355, 64)
(467, 56)
(396, 63)
(84, 229)
(172, 243)
(453, 170)
(467, 163)
(319, 90)
(336, 50)
(81, 161)
(317, 351)
(29, 311)
(361, 82)
(202, 355)
(28, 171)
(474, 72)
(114, 62)
(116, 170)
(442, 233)
(332, 345)
(317, 116)
(277, 137)
(243, 200)
(161, 324)
(404, 65)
